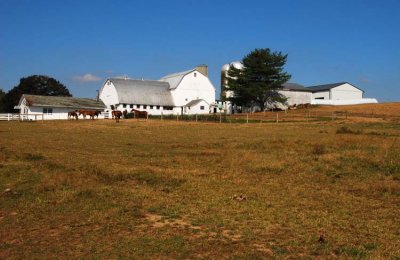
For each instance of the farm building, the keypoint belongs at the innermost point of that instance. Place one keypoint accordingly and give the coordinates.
(54, 107)
(188, 92)
(342, 93)
(295, 93)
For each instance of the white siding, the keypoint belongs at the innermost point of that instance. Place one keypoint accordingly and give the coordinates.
(196, 109)
(346, 92)
(321, 95)
(108, 94)
(297, 97)
(193, 87)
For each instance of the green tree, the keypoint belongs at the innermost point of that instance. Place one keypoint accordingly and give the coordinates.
(34, 85)
(2, 94)
(260, 79)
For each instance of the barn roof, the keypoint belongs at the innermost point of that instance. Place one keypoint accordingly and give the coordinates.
(175, 78)
(295, 87)
(195, 102)
(329, 86)
(146, 92)
(64, 102)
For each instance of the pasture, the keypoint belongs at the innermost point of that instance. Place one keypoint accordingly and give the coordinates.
(97, 189)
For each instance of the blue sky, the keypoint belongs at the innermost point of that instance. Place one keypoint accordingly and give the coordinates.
(81, 43)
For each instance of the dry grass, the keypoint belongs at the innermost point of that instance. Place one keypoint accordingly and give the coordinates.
(169, 190)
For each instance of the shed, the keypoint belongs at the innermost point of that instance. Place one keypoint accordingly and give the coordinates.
(55, 107)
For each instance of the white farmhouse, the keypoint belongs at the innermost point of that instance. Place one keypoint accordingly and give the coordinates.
(36, 107)
(342, 93)
(188, 92)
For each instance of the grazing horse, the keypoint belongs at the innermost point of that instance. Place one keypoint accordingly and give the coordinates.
(140, 114)
(90, 113)
(72, 114)
(117, 115)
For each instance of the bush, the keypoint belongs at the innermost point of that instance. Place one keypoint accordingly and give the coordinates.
(347, 130)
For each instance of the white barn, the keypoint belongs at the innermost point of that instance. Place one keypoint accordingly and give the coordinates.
(188, 92)
(34, 107)
(342, 93)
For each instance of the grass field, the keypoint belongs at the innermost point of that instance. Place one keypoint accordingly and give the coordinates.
(97, 189)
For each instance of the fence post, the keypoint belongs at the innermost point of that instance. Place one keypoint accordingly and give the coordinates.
(161, 116)
(8, 117)
(196, 117)
(220, 117)
(277, 117)
(177, 117)
(247, 118)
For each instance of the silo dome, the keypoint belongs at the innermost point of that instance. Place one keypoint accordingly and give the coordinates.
(237, 64)
(225, 67)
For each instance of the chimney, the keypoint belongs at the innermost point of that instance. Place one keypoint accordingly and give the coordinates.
(203, 69)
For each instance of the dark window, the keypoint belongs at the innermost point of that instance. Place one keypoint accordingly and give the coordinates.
(124, 105)
(158, 107)
(144, 106)
(48, 110)
(195, 74)
(201, 107)
(151, 107)
(137, 106)
(168, 108)
(131, 106)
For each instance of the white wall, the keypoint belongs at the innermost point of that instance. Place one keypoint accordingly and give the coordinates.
(297, 97)
(150, 111)
(193, 87)
(323, 94)
(108, 94)
(196, 109)
(344, 102)
(346, 92)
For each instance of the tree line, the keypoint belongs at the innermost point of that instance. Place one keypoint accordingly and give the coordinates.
(33, 85)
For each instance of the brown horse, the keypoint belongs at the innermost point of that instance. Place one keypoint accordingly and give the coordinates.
(72, 114)
(117, 115)
(90, 113)
(140, 114)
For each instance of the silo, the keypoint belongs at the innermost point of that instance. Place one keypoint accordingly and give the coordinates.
(225, 93)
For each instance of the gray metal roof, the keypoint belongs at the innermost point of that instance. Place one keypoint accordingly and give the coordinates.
(64, 102)
(194, 102)
(295, 87)
(146, 92)
(175, 78)
(329, 86)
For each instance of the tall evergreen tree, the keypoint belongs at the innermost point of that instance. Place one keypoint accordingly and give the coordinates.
(258, 82)
(34, 85)
(2, 94)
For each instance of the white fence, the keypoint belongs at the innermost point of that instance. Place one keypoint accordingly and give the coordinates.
(36, 117)
(21, 117)
(344, 102)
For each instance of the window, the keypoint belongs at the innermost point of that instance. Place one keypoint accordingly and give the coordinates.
(137, 106)
(158, 107)
(151, 107)
(131, 106)
(124, 105)
(48, 110)
(201, 107)
(195, 74)
(168, 108)
(144, 106)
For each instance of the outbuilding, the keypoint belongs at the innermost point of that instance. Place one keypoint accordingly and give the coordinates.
(336, 91)
(54, 107)
(342, 93)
